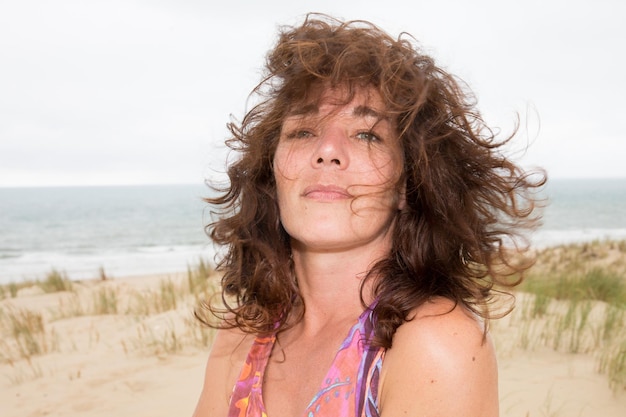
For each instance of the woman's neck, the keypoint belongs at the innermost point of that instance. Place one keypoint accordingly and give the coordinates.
(331, 283)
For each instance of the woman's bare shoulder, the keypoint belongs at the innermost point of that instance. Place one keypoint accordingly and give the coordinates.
(228, 353)
(231, 342)
(440, 364)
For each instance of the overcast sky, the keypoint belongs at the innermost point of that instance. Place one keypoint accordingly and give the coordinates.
(138, 92)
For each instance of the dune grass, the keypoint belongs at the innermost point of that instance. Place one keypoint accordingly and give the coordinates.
(576, 303)
(593, 284)
(162, 316)
(56, 281)
(105, 301)
(576, 327)
(27, 334)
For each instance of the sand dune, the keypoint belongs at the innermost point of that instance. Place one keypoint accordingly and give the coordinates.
(133, 364)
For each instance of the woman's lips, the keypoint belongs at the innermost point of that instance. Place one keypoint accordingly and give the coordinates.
(326, 193)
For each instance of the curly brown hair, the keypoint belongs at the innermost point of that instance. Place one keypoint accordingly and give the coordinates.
(466, 201)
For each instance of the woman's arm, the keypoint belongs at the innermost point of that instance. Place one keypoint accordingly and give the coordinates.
(228, 353)
(440, 365)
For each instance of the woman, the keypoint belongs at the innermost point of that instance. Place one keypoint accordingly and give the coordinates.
(365, 223)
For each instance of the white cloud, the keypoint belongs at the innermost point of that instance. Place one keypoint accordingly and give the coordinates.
(140, 91)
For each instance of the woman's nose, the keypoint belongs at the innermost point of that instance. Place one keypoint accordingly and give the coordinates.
(332, 149)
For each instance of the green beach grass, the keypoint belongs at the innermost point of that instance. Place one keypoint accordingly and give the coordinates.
(573, 300)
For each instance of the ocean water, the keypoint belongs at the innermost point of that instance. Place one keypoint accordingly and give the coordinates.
(126, 230)
(583, 210)
(148, 229)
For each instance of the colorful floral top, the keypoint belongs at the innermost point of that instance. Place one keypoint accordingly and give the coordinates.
(350, 388)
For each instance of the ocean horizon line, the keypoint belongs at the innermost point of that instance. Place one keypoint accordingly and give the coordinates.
(104, 185)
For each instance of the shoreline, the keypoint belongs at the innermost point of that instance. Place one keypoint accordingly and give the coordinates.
(176, 260)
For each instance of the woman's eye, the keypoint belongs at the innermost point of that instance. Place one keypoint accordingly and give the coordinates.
(367, 136)
(300, 134)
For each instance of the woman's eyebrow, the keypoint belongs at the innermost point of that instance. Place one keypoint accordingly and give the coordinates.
(306, 110)
(366, 111)
(358, 111)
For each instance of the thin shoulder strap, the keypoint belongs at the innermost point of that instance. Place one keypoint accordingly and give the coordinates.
(369, 371)
(247, 392)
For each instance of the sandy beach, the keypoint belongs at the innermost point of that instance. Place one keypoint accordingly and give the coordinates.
(131, 347)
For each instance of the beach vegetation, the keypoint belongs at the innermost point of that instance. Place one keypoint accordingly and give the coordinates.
(613, 363)
(150, 302)
(56, 281)
(576, 272)
(199, 279)
(168, 295)
(105, 300)
(67, 307)
(573, 300)
(27, 334)
(159, 341)
(13, 289)
(200, 335)
(597, 283)
(158, 318)
(31, 371)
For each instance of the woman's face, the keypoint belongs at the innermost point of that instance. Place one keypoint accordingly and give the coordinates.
(336, 168)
